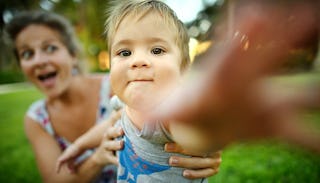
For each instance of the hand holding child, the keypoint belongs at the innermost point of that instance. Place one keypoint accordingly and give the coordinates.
(105, 153)
(196, 166)
(90, 140)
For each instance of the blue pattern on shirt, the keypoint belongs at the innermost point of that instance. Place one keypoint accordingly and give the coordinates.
(133, 165)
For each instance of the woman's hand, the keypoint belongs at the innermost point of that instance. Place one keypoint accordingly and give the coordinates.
(92, 139)
(196, 166)
(68, 157)
(105, 153)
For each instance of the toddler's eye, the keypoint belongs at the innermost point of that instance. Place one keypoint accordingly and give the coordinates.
(124, 53)
(50, 48)
(26, 55)
(157, 51)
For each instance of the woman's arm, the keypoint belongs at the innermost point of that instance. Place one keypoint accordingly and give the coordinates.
(47, 151)
(91, 139)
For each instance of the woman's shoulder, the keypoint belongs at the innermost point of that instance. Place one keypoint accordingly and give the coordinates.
(38, 113)
(36, 108)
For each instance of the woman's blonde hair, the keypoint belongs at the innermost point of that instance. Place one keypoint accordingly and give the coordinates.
(118, 10)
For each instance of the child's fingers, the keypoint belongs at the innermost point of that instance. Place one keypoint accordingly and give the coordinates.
(196, 174)
(194, 162)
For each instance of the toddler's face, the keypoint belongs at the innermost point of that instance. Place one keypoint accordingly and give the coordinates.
(145, 61)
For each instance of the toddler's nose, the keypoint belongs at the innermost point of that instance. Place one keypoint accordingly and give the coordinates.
(140, 63)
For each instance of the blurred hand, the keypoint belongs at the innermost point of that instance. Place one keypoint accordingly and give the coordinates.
(232, 98)
(196, 166)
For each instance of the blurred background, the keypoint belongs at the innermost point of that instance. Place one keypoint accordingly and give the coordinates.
(265, 161)
(88, 19)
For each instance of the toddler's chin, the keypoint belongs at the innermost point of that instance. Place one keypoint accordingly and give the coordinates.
(142, 104)
(142, 101)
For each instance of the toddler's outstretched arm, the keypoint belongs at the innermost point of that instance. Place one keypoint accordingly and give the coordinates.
(234, 98)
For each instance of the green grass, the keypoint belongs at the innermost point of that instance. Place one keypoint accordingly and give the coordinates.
(266, 162)
(255, 162)
(17, 162)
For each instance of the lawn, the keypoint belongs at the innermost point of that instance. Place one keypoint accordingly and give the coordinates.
(254, 162)
(17, 163)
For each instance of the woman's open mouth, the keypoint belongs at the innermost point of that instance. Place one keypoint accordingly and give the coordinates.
(49, 75)
(48, 79)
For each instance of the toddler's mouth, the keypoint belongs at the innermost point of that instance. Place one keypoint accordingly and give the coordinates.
(140, 80)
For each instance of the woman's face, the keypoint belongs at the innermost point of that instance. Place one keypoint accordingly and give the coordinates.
(44, 59)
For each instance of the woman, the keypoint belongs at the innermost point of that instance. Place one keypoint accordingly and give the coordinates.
(48, 54)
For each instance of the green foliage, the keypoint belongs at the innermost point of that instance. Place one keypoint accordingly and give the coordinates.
(88, 18)
(11, 77)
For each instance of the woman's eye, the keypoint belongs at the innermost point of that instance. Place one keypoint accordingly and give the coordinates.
(157, 51)
(124, 53)
(26, 55)
(50, 48)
